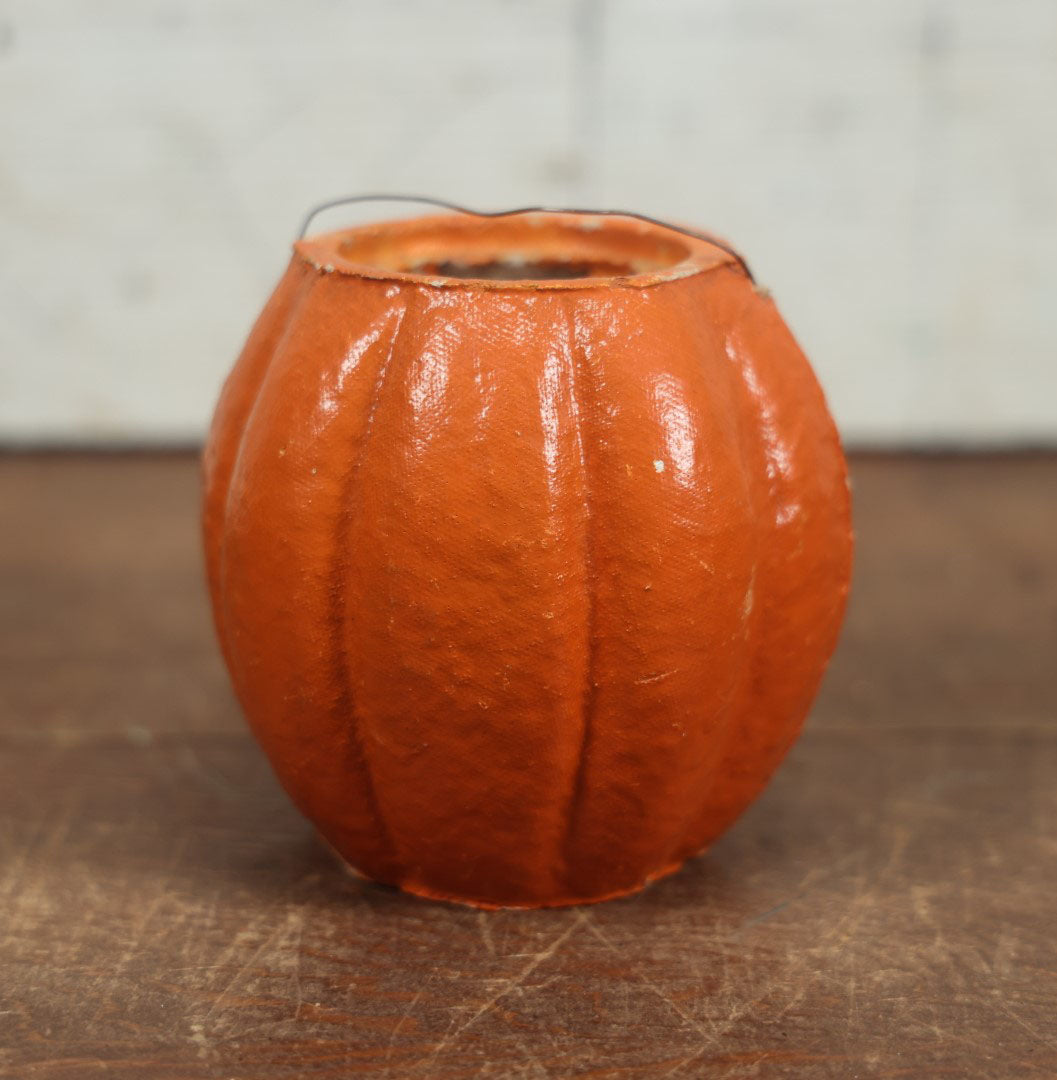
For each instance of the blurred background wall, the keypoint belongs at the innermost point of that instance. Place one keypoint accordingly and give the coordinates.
(889, 168)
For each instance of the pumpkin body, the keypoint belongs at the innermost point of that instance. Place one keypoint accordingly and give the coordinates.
(525, 586)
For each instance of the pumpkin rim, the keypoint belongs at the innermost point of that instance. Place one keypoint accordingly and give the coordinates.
(587, 237)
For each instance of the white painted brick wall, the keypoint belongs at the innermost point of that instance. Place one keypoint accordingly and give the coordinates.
(890, 169)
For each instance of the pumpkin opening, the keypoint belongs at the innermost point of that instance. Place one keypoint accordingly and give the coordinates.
(511, 270)
(533, 247)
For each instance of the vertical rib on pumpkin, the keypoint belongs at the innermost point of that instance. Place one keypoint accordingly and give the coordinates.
(673, 547)
(469, 601)
(278, 562)
(803, 510)
(236, 402)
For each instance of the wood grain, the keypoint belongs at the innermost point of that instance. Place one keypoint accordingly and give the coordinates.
(886, 909)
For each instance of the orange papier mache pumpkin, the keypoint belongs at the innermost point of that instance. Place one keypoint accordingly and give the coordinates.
(528, 541)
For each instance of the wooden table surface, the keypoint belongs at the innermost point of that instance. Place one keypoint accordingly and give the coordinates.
(888, 908)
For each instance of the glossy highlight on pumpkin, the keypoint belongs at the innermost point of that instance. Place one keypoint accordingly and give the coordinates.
(525, 585)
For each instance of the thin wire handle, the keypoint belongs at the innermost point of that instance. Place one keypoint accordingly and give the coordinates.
(444, 204)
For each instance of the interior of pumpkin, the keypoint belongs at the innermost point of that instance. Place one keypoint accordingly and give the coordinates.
(538, 246)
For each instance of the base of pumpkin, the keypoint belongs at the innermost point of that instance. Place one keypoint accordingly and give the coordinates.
(424, 893)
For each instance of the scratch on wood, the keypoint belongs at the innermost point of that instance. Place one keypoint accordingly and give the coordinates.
(764, 915)
(297, 919)
(484, 925)
(652, 986)
(531, 1059)
(507, 986)
(278, 934)
(399, 1027)
(44, 844)
(139, 927)
(1033, 1031)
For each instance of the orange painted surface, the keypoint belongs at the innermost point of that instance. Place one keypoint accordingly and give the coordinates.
(525, 587)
